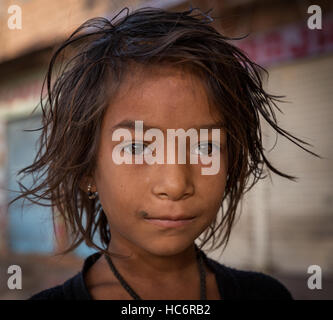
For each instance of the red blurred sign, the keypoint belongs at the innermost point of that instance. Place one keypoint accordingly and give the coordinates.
(288, 43)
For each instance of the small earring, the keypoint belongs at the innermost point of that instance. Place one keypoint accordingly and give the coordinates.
(91, 195)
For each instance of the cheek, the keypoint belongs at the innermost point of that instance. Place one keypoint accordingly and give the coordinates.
(122, 188)
(211, 188)
(213, 184)
(116, 187)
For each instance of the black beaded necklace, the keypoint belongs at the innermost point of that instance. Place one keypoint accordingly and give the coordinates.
(135, 296)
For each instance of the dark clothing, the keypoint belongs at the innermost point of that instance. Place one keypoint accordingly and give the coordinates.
(232, 283)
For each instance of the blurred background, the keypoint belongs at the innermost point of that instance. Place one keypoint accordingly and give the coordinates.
(283, 228)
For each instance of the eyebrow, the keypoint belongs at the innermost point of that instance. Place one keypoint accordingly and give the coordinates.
(130, 124)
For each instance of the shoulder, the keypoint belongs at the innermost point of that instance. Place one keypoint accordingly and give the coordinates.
(252, 285)
(54, 293)
(73, 289)
(257, 285)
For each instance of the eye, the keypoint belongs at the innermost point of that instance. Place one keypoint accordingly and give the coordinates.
(205, 148)
(136, 148)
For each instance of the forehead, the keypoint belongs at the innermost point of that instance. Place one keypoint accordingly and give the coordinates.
(167, 96)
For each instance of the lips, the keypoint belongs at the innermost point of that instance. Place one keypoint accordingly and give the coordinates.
(173, 217)
(168, 221)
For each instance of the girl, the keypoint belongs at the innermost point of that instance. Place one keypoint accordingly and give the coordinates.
(171, 70)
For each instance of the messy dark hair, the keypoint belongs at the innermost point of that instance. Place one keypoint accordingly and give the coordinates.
(98, 55)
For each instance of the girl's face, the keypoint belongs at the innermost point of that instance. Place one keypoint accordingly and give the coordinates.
(163, 98)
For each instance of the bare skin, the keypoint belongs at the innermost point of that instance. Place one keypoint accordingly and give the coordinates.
(162, 262)
(105, 286)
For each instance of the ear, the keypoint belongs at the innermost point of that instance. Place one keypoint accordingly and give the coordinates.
(85, 182)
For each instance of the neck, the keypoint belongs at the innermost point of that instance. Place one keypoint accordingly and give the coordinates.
(149, 265)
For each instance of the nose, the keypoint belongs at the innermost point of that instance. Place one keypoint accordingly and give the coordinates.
(173, 182)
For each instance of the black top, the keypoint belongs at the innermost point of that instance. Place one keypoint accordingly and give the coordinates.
(232, 283)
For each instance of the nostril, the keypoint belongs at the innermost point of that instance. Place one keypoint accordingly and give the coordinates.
(172, 190)
(174, 198)
(163, 195)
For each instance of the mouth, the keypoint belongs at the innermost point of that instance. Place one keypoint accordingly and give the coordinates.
(170, 222)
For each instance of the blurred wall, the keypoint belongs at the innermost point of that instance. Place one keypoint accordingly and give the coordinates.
(47, 22)
(284, 226)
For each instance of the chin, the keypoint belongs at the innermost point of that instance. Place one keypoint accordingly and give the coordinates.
(168, 248)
